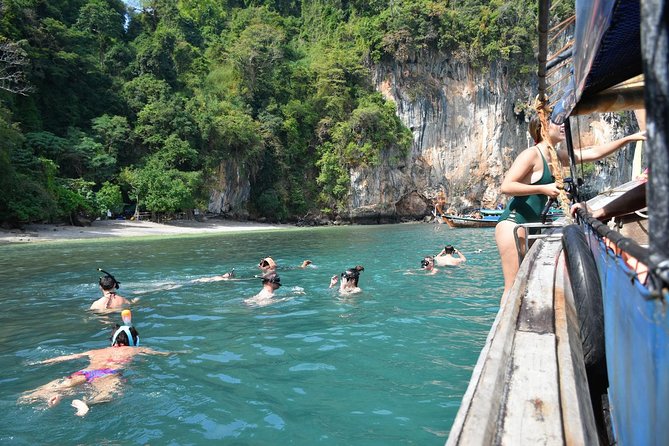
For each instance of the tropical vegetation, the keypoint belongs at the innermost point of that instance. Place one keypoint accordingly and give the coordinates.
(105, 104)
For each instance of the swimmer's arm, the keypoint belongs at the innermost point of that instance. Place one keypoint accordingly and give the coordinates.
(62, 358)
(462, 256)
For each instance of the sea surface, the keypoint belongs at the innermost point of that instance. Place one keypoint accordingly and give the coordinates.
(387, 366)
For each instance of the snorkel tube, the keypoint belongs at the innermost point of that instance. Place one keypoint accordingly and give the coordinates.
(116, 282)
(125, 328)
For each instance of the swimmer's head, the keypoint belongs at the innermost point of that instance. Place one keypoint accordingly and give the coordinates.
(448, 249)
(267, 263)
(427, 262)
(123, 335)
(108, 282)
(353, 274)
(272, 278)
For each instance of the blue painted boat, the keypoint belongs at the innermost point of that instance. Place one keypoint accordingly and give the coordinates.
(633, 273)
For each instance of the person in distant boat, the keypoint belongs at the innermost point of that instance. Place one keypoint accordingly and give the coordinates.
(101, 377)
(447, 257)
(227, 276)
(427, 265)
(349, 280)
(109, 300)
(530, 183)
(267, 265)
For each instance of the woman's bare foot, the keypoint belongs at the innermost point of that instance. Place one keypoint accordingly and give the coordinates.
(82, 408)
(53, 400)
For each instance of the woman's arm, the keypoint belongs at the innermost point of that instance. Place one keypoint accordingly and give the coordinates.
(63, 358)
(594, 153)
(516, 181)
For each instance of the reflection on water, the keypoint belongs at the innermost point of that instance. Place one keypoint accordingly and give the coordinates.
(386, 366)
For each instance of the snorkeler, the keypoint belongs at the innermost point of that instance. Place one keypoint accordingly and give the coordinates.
(267, 265)
(227, 276)
(109, 300)
(102, 376)
(427, 264)
(270, 283)
(446, 257)
(349, 280)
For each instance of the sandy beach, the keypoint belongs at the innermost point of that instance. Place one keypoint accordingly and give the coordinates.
(125, 228)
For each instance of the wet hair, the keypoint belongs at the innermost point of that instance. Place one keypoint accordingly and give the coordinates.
(108, 282)
(535, 129)
(122, 337)
(449, 249)
(353, 274)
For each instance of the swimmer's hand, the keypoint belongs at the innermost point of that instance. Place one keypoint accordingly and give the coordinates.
(333, 280)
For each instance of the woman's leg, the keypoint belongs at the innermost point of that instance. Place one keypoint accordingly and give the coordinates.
(53, 391)
(508, 253)
(103, 389)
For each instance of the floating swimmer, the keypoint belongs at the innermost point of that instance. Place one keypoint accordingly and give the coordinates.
(227, 276)
(101, 378)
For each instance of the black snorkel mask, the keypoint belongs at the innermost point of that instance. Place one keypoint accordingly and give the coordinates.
(425, 262)
(116, 282)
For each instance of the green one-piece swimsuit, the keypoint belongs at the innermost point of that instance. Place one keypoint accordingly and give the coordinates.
(527, 209)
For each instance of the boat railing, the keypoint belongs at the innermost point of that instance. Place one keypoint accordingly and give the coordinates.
(529, 236)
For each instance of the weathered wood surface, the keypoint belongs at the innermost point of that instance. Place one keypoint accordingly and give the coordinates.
(527, 387)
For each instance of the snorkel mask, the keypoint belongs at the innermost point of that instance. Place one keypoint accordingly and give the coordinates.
(125, 328)
(106, 274)
(426, 262)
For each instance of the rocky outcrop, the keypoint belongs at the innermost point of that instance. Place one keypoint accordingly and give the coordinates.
(465, 135)
(230, 191)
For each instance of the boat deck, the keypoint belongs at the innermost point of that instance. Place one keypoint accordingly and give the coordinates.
(529, 385)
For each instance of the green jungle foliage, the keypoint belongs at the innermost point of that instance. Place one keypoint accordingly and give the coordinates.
(103, 105)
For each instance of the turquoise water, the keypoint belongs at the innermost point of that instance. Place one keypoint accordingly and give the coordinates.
(386, 366)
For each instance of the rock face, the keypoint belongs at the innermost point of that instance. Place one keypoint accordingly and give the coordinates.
(465, 134)
(231, 191)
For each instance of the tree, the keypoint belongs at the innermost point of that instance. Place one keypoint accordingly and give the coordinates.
(13, 65)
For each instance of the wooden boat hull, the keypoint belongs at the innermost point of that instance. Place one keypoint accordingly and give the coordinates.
(468, 222)
(529, 385)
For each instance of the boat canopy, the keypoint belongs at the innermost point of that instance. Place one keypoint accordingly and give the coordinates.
(606, 53)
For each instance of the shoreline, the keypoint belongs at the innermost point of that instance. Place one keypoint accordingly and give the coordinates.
(102, 229)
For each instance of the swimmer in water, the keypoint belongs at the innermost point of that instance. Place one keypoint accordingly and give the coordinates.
(267, 265)
(101, 377)
(109, 300)
(227, 276)
(427, 265)
(270, 283)
(306, 264)
(447, 257)
(349, 280)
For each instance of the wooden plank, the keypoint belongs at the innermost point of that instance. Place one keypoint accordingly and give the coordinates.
(577, 415)
(532, 410)
(478, 420)
(536, 310)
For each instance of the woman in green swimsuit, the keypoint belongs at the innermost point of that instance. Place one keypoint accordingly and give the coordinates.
(530, 183)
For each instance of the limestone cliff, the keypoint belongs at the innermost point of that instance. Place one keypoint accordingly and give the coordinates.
(465, 135)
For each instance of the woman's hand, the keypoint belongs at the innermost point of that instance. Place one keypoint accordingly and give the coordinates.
(552, 190)
(333, 280)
